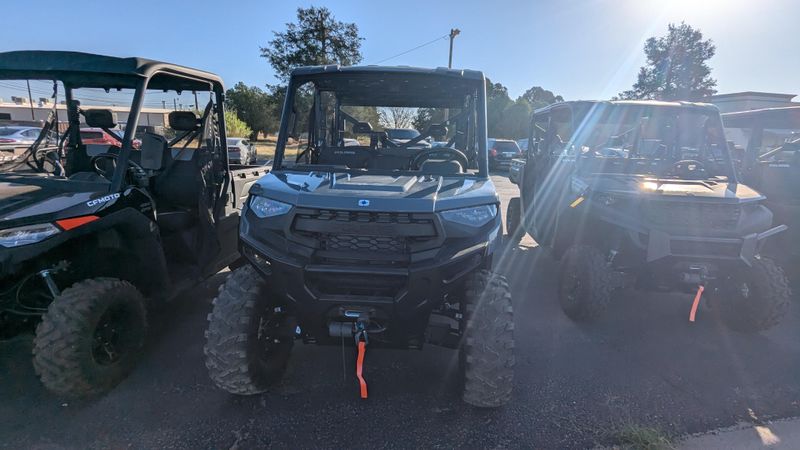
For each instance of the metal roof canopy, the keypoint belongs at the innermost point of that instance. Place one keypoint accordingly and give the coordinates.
(784, 118)
(410, 87)
(86, 70)
(630, 103)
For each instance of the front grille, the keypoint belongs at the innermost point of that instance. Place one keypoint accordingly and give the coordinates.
(364, 236)
(349, 242)
(699, 216)
(361, 216)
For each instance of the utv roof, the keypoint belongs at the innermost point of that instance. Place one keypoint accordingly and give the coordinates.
(86, 70)
(393, 85)
(378, 70)
(654, 103)
(786, 118)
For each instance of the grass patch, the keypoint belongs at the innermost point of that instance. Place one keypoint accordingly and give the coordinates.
(640, 437)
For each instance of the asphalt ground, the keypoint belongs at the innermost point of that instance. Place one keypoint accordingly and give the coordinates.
(643, 364)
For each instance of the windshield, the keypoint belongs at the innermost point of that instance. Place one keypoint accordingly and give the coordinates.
(37, 139)
(389, 128)
(650, 140)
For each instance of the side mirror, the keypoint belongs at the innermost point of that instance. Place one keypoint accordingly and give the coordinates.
(362, 128)
(100, 118)
(437, 129)
(183, 121)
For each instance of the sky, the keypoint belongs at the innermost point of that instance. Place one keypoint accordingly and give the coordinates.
(580, 49)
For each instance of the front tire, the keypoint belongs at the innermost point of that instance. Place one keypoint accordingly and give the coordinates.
(487, 352)
(585, 283)
(755, 299)
(513, 214)
(91, 337)
(249, 337)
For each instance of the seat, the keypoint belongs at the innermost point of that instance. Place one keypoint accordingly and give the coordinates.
(441, 167)
(352, 157)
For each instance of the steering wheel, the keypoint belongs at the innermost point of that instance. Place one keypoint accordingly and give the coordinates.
(446, 153)
(687, 168)
(113, 157)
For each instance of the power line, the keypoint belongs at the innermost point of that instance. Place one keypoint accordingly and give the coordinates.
(415, 48)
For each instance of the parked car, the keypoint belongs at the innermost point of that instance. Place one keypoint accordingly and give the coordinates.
(241, 151)
(501, 152)
(98, 136)
(16, 136)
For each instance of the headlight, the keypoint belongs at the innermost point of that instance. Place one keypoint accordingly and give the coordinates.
(266, 207)
(29, 234)
(475, 216)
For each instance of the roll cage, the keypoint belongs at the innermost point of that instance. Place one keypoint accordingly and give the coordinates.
(386, 87)
(582, 117)
(77, 70)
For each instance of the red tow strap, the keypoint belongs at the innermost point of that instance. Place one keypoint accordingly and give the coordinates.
(362, 349)
(696, 302)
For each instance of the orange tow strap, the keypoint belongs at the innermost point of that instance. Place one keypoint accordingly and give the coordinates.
(696, 302)
(362, 349)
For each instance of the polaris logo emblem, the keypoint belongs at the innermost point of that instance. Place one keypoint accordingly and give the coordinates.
(363, 202)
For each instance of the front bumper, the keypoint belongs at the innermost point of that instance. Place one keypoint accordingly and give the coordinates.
(399, 296)
(662, 245)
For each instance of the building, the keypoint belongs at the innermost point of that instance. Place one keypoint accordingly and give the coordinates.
(21, 111)
(748, 100)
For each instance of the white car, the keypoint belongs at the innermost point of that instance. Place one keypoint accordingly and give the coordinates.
(18, 136)
(241, 151)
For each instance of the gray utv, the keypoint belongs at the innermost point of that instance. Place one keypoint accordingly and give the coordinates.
(646, 193)
(388, 242)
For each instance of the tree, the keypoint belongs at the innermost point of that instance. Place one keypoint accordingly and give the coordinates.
(316, 39)
(515, 120)
(235, 127)
(497, 100)
(676, 67)
(254, 106)
(537, 97)
(396, 117)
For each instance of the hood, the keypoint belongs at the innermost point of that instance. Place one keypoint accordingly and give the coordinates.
(667, 189)
(33, 199)
(367, 192)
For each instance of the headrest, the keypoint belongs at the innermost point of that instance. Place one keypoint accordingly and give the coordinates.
(362, 128)
(183, 121)
(100, 118)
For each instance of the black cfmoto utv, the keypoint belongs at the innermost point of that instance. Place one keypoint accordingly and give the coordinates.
(92, 234)
(647, 192)
(387, 242)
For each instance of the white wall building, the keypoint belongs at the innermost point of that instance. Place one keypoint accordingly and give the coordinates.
(22, 112)
(745, 101)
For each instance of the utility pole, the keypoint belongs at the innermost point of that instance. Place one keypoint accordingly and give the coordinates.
(30, 99)
(453, 33)
(174, 104)
(196, 105)
(163, 104)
